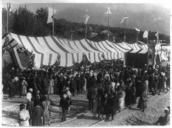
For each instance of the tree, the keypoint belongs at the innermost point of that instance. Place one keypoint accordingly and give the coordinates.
(23, 21)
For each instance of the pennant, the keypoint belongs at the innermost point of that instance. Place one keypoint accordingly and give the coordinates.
(123, 20)
(145, 34)
(93, 34)
(108, 11)
(8, 7)
(87, 17)
(157, 35)
(51, 12)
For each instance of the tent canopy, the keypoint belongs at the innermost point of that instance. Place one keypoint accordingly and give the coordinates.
(51, 49)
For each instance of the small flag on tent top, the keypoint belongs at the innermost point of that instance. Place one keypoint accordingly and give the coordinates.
(145, 34)
(108, 11)
(138, 30)
(87, 17)
(123, 20)
(51, 12)
(157, 35)
(9, 7)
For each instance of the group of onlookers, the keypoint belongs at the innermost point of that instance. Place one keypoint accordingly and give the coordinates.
(109, 90)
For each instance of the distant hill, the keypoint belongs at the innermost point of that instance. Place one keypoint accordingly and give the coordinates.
(34, 24)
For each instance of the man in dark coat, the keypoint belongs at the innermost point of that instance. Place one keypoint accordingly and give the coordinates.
(37, 115)
(109, 107)
(64, 103)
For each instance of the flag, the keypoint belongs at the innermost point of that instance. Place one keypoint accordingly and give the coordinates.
(108, 11)
(87, 17)
(93, 34)
(145, 34)
(138, 30)
(124, 20)
(8, 7)
(157, 35)
(51, 12)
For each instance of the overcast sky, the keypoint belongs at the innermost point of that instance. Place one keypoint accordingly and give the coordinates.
(153, 17)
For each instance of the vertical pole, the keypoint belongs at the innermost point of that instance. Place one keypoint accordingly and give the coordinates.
(71, 36)
(108, 26)
(53, 23)
(53, 27)
(7, 15)
(86, 31)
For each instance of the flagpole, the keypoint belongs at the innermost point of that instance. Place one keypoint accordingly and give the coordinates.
(7, 16)
(108, 26)
(85, 31)
(53, 23)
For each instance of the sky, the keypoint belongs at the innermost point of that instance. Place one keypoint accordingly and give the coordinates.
(150, 16)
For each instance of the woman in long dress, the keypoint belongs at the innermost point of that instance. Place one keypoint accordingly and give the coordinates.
(46, 112)
(51, 86)
(24, 87)
(23, 116)
(121, 98)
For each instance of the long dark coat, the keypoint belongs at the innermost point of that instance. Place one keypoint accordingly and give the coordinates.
(37, 116)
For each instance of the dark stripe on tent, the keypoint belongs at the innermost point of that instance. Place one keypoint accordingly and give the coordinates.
(73, 61)
(20, 40)
(49, 45)
(70, 45)
(32, 45)
(4, 35)
(66, 59)
(42, 55)
(84, 46)
(59, 44)
(139, 50)
(78, 57)
(99, 54)
(75, 44)
(38, 40)
(94, 56)
(111, 52)
(89, 43)
(120, 47)
(123, 47)
(50, 58)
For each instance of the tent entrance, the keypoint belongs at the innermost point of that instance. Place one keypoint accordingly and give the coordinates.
(136, 60)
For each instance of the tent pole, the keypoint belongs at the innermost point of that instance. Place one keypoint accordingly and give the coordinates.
(7, 15)
(86, 31)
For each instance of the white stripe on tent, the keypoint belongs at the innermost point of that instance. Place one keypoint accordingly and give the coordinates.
(123, 47)
(81, 49)
(74, 47)
(109, 53)
(93, 44)
(64, 43)
(85, 44)
(115, 52)
(105, 52)
(15, 37)
(119, 51)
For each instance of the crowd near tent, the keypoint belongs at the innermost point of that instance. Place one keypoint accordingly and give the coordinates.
(49, 50)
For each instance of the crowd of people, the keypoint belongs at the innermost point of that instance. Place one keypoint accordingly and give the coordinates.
(109, 87)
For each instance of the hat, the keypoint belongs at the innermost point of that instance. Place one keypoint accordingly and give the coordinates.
(30, 89)
(166, 109)
(64, 95)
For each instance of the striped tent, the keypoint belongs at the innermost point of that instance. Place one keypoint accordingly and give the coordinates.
(51, 49)
(138, 47)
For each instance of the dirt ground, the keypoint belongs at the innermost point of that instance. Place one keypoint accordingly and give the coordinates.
(80, 116)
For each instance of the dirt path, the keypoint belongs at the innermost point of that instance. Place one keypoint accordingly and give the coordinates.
(156, 105)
